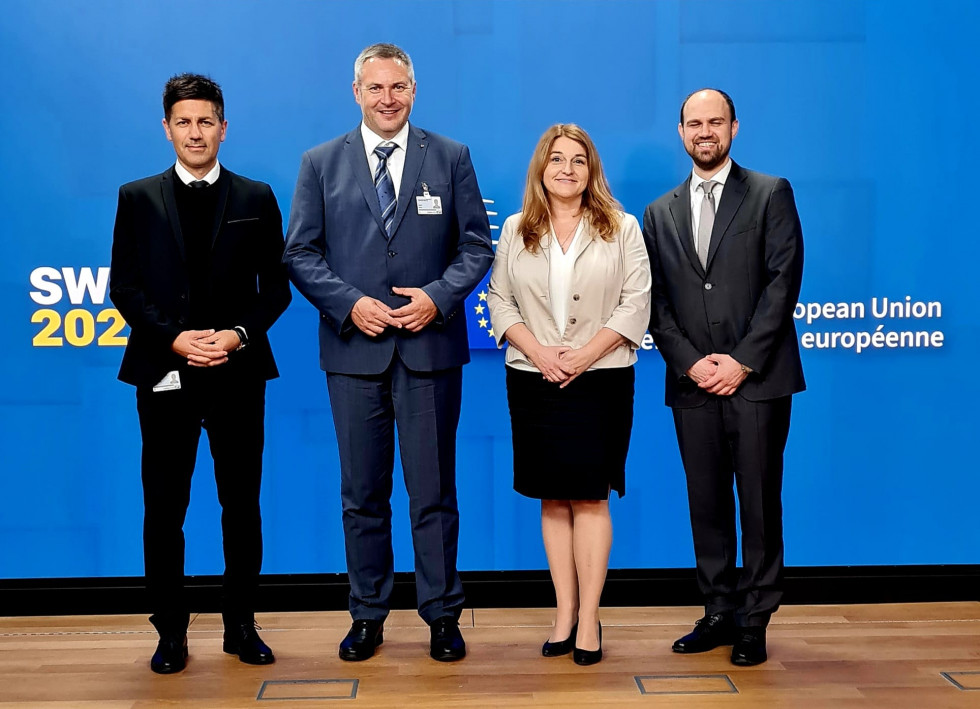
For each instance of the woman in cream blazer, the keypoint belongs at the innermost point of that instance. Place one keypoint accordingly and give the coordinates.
(570, 294)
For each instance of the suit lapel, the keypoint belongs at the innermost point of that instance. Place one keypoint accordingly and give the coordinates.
(356, 158)
(414, 155)
(224, 187)
(731, 200)
(170, 203)
(680, 210)
(587, 237)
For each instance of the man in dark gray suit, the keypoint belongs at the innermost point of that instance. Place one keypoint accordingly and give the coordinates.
(387, 236)
(726, 251)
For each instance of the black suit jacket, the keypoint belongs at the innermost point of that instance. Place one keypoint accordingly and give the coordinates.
(742, 303)
(149, 281)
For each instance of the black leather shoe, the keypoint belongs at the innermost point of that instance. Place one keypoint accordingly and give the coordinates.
(445, 641)
(750, 647)
(171, 655)
(709, 632)
(362, 639)
(242, 640)
(562, 647)
(588, 657)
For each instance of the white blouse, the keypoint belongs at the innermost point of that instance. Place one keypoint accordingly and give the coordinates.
(560, 274)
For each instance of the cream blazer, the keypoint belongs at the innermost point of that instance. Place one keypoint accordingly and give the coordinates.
(610, 287)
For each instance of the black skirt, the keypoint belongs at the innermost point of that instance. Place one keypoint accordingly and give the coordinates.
(571, 443)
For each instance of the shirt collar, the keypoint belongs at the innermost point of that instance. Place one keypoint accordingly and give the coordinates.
(720, 177)
(186, 177)
(373, 140)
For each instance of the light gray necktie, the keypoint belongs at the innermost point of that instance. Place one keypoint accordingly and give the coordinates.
(706, 222)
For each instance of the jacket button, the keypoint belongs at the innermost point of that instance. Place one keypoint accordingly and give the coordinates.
(181, 320)
(571, 321)
(576, 296)
(183, 296)
(392, 254)
(707, 286)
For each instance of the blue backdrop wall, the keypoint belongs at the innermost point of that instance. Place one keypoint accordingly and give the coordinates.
(867, 107)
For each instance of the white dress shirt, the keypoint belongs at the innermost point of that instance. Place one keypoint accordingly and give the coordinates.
(187, 178)
(396, 163)
(697, 195)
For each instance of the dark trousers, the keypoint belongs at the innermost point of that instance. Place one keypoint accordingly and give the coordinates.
(425, 408)
(232, 412)
(731, 439)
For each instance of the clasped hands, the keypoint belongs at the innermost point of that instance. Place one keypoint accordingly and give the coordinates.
(561, 365)
(717, 374)
(206, 348)
(371, 316)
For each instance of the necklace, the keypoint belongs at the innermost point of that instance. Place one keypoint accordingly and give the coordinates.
(566, 240)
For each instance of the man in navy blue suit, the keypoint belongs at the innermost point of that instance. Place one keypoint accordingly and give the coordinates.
(387, 236)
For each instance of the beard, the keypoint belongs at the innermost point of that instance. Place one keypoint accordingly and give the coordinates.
(709, 161)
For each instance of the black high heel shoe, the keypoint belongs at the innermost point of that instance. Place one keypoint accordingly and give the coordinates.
(588, 657)
(563, 647)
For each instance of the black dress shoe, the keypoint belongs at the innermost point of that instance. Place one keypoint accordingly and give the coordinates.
(562, 647)
(242, 640)
(362, 639)
(445, 641)
(171, 654)
(588, 657)
(709, 632)
(750, 647)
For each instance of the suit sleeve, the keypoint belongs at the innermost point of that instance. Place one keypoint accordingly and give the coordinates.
(784, 269)
(306, 248)
(632, 316)
(504, 310)
(677, 351)
(273, 282)
(474, 252)
(126, 290)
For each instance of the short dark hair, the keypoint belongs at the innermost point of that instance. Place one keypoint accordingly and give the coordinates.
(182, 87)
(728, 100)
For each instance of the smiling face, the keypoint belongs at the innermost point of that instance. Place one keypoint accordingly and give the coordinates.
(385, 94)
(566, 173)
(707, 131)
(196, 132)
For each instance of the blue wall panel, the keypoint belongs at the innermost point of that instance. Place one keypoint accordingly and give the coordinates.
(867, 107)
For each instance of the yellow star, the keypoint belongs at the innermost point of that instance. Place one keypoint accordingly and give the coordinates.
(490, 332)
(483, 295)
(482, 322)
(479, 309)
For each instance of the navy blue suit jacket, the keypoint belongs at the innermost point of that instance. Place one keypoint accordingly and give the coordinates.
(337, 250)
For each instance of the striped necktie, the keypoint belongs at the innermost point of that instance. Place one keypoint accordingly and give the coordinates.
(384, 186)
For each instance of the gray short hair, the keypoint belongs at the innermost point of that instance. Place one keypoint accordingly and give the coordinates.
(383, 51)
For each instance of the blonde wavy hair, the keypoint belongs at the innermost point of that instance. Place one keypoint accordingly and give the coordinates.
(598, 204)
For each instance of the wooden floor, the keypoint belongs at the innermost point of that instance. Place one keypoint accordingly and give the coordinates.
(881, 656)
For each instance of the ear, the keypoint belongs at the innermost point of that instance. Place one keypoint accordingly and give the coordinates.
(680, 131)
(734, 127)
(357, 93)
(166, 129)
(224, 131)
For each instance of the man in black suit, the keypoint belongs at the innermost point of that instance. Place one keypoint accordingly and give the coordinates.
(726, 251)
(197, 274)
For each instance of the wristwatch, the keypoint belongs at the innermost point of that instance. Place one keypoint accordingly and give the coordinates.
(242, 335)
